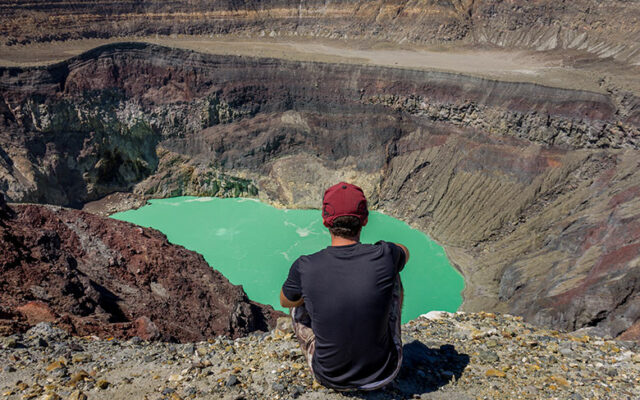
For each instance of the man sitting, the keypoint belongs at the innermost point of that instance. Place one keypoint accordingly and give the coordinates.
(346, 300)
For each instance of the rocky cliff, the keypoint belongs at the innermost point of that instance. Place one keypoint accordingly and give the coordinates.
(96, 276)
(603, 29)
(531, 189)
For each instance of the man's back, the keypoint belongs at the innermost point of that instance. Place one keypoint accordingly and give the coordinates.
(348, 292)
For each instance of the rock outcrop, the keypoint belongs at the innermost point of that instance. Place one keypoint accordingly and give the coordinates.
(532, 190)
(97, 276)
(604, 29)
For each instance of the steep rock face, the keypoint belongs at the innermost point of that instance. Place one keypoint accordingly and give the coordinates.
(546, 233)
(97, 276)
(605, 29)
(76, 131)
(531, 189)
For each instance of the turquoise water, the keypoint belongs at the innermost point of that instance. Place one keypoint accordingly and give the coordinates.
(254, 244)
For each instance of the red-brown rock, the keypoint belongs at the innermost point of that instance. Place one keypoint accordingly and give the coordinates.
(37, 311)
(146, 329)
(98, 276)
(632, 333)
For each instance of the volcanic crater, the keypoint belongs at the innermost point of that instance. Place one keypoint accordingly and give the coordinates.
(531, 189)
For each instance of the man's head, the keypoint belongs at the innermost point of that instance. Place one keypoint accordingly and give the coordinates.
(344, 210)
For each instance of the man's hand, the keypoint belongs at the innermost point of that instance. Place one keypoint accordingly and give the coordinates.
(406, 252)
(284, 302)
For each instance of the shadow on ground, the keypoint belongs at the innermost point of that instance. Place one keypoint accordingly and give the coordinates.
(424, 370)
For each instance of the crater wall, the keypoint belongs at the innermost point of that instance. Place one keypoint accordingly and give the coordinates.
(532, 190)
(604, 29)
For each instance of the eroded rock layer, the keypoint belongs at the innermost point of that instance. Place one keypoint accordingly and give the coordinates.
(98, 276)
(532, 189)
(604, 29)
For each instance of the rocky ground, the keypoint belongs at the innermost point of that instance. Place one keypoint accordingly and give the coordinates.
(446, 356)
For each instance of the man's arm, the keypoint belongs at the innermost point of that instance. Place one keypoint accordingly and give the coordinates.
(406, 252)
(284, 302)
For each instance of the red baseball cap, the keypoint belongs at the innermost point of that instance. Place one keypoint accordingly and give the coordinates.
(343, 199)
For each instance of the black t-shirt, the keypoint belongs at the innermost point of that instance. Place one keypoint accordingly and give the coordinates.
(348, 292)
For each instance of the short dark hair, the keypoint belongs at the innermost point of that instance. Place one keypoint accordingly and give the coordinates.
(346, 226)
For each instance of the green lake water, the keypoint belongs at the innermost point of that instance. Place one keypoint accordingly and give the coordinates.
(254, 244)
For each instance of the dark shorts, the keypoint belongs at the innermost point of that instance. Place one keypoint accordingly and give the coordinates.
(307, 340)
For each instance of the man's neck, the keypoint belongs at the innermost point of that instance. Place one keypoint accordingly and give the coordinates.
(341, 241)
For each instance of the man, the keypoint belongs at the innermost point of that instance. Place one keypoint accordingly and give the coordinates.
(346, 300)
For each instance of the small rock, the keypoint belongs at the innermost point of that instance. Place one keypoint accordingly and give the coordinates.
(78, 377)
(189, 349)
(102, 384)
(496, 373)
(190, 391)
(75, 347)
(560, 381)
(9, 368)
(146, 329)
(80, 358)
(55, 365)
(297, 391)
(231, 380)
(488, 356)
(77, 395)
(278, 387)
(45, 330)
(59, 373)
(201, 351)
(491, 343)
(460, 335)
(136, 340)
(167, 391)
(436, 315)
(284, 325)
